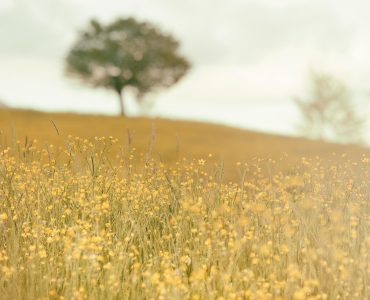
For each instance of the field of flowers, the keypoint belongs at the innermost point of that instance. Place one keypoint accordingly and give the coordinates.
(94, 220)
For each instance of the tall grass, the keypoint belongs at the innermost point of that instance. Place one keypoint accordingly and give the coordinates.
(77, 224)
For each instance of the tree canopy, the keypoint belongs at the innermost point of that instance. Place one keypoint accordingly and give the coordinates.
(328, 112)
(126, 53)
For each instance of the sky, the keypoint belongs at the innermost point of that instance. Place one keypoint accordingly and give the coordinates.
(250, 58)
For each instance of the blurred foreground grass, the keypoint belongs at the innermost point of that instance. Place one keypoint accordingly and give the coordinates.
(93, 220)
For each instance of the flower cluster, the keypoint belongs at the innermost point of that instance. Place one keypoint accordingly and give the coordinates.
(77, 224)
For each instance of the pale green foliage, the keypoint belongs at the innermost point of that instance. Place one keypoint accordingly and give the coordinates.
(328, 111)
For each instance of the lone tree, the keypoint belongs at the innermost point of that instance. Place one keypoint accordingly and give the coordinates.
(328, 112)
(126, 53)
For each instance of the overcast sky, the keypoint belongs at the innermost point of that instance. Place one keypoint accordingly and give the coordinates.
(250, 57)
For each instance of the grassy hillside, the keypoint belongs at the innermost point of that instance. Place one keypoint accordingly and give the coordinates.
(81, 227)
(169, 140)
(86, 220)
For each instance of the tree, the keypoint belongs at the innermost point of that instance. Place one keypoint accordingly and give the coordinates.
(126, 53)
(328, 112)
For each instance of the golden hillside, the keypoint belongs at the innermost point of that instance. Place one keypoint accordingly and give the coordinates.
(87, 220)
(167, 139)
(81, 227)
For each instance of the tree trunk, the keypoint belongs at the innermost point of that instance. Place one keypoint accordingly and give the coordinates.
(121, 103)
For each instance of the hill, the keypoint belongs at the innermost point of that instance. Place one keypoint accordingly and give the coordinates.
(169, 139)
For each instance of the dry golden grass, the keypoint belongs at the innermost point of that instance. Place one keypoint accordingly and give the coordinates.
(169, 140)
(151, 216)
(85, 221)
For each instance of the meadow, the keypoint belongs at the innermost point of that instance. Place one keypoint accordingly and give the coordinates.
(169, 140)
(96, 217)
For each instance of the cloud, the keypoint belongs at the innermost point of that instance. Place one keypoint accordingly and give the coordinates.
(211, 31)
(31, 28)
